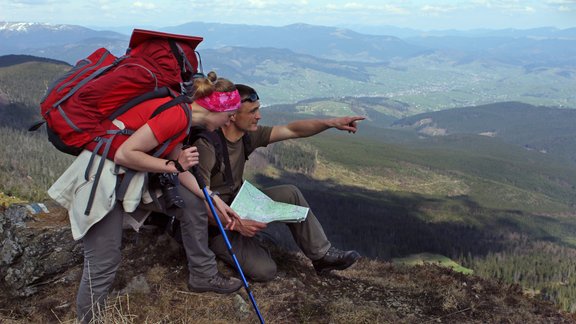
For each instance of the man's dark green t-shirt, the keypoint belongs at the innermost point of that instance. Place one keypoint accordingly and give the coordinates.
(217, 181)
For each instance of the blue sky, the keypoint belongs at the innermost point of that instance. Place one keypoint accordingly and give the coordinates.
(418, 14)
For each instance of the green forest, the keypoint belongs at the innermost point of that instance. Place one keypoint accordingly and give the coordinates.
(503, 211)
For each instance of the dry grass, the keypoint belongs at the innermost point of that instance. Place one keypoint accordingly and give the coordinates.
(370, 292)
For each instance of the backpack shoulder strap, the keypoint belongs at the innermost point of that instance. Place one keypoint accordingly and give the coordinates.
(226, 158)
(220, 150)
(180, 101)
(247, 142)
(158, 93)
(198, 132)
(215, 141)
(218, 141)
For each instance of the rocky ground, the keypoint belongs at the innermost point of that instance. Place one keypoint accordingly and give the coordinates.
(40, 267)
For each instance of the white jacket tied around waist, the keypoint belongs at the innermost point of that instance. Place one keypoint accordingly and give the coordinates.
(72, 191)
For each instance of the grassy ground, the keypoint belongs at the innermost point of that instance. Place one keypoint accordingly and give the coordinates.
(370, 292)
(429, 258)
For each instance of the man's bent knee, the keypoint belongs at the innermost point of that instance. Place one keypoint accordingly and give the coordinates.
(262, 272)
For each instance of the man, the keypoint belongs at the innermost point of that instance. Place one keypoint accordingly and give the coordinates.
(254, 259)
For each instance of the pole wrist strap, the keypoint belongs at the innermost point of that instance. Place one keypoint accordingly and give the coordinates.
(177, 165)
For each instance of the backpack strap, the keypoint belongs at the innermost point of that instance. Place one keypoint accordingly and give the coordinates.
(213, 139)
(228, 177)
(198, 132)
(247, 142)
(107, 142)
(80, 84)
(218, 141)
(158, 93)
(180, 101)
(186, 68)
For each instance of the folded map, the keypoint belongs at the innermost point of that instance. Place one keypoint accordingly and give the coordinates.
(251, 203)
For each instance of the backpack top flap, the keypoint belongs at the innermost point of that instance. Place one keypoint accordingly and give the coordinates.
(141, 35)
(157, 46)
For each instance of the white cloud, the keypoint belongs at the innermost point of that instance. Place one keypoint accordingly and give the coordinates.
(563, 5)
(260, 3)
(566, 9)
(424, 14)
(437, 9)
(374, 9)
(144, 5)
(33, 2)
(561, 2)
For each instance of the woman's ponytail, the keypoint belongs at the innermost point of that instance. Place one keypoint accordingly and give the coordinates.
(207, 85)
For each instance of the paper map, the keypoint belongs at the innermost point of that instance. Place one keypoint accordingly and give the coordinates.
(251, 203)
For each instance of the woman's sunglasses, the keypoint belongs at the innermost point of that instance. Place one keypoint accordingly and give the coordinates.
(253, 97)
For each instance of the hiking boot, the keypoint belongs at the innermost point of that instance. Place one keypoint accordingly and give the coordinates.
(335, 259)
(217, 283)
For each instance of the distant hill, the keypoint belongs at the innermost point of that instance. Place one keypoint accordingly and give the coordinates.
(544, 46)
(514, 48)
(547, 130)
(426, 72)
(23, 81)
(240, 63)
(405, 33)
(81, 49)
(22, 37)
(9, 60)
(324, 42)
(424, 83)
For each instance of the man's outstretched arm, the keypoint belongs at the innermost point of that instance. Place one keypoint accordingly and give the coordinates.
(309, 127)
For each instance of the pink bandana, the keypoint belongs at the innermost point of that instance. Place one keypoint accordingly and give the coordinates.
(220, 101)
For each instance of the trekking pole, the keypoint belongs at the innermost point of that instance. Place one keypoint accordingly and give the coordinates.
(202, 185)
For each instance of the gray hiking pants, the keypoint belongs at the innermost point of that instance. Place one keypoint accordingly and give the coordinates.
(102, 253)
(254, 258)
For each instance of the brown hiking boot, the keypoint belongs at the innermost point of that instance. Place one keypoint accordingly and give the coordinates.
(335, 259)
(217, 283)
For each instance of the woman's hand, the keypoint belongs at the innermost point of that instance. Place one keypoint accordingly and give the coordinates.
(188, 157)
(227, 215)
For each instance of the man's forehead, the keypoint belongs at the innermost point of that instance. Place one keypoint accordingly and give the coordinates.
(249, 106)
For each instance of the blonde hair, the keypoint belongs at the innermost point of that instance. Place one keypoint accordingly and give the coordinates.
(206, 86)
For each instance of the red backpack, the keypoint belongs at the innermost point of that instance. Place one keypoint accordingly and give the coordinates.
(79, 106)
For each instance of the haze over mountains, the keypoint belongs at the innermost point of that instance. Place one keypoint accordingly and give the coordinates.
(324, 42)
(297, 62)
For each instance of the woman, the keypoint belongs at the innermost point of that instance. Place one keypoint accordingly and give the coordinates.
(215, 100)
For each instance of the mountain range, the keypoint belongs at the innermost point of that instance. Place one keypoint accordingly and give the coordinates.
(339, 44)
(425, 71)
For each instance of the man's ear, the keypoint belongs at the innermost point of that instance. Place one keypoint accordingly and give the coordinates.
(233, 117)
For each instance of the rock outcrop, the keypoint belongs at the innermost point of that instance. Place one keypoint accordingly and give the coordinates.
(35, 249)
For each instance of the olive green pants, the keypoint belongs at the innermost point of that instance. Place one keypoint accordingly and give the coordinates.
(254, 258)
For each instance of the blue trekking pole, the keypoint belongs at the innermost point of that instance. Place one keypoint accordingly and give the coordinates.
(202, 185)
